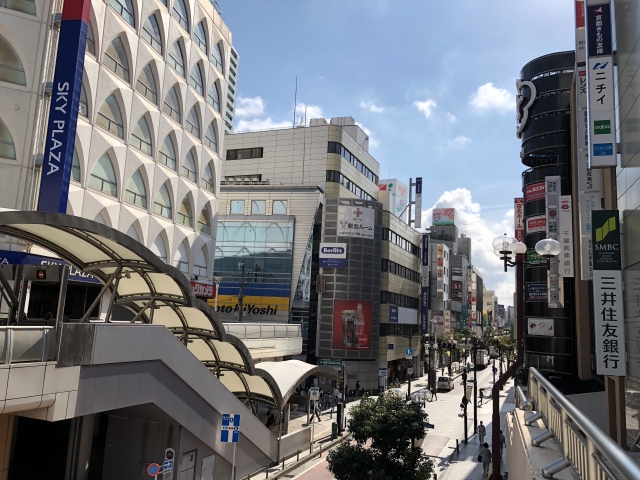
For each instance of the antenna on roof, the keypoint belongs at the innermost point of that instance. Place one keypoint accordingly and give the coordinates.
(295, 103)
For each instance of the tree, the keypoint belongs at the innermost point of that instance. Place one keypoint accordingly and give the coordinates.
(383, 430)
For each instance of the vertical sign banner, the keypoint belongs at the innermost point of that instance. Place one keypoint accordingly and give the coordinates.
(63, 112)
(552, 196)
(581, 44)
(602, 131)
(418, 206)
(565, 236)
(424, 287)
(608, 297)
(518, 212)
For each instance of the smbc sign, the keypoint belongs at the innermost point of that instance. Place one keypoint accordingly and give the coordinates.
(606, 240)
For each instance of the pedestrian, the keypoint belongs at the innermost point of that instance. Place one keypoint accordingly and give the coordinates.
(317, 411)
(463, 404)
(503, 442)
(434, 393)
(485, 455)
(357, 386)
(480, 399)
(482, 431)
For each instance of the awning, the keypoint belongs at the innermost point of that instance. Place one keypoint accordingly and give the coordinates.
(288, 375)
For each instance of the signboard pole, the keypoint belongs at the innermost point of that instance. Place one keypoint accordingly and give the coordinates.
(233, 465)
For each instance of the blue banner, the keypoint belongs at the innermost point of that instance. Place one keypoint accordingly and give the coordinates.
(393, 314)
(8, 257)
(424, 289)
(599, 30)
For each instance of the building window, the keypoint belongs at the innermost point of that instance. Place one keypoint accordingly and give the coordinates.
(337, 177)
(168, 153)
(11, 69)
(211, 139)
(115, 59)
(397, 330)
(151, 33)
(176, 58)
(193, 123)
(204, 224)
(172, 105)
(83, 108)
(400, 270)
(180, 14)
(213, 97)
(110, 118)
(91, 43)
(141, 136)
(136, 193)
(185, 215)
(338, 149)
(24, 6)
(75, 167)
(208, 179)
(7, 147)
(279, 207)
(162, 203)
(103, 177)
(244, 153)
(181, 259)
(258, 207)
(399, 299)
(188, 169)
(125, 9)
(217, 58)
(200, 264)
(237, 207)
(200, 37)
(159, 248)
(195, 79)
(403, 243)
(146, 84)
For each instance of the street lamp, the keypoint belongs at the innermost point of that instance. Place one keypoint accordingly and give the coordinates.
(506, 247)
(217, 280)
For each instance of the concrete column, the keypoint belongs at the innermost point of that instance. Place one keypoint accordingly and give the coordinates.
(79, 451)
(6, 439)
(616, 419)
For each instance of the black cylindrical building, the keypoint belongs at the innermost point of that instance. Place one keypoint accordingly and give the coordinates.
(544, 114)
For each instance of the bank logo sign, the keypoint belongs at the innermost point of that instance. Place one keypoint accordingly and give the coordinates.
(603, 231)
(606, 240)
(601, 127)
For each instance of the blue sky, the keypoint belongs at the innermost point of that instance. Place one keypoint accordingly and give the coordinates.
(433, 81)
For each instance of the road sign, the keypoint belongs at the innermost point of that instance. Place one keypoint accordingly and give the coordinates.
(410, 371)
(409, 353)
(230, 424)
(314, 393)
(167, 465)
(153, 469)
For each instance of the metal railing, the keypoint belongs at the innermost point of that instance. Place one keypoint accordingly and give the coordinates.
(27, 344)
(583, 443)
(245, 331)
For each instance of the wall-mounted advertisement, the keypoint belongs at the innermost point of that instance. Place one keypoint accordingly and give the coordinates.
(542, 327)
(456, 271)
(402, 315)
(534, 257)
(351, 325)
(444, 216)
(536, 292)
(518, 218)
(536, 224)
(333, 255)
(355, 221)
(399, 195)
(534, 191)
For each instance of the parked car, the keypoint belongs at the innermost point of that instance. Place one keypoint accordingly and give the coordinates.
(445, 383)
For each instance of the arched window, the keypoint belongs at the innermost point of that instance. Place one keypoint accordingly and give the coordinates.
(136, 193)
(11, 69)
(200, 37)
(204, 224)
(159, 248)
(176, 58)
(125, 9)
(181, 259)
(141, 136)
(91, 42)
(83, 109)
(146, 84)
(168, 153)
(172, 105)
(217, 58)
(110, 118)
(200, 264)
(103, 177)
(151, 33)
(24, 6)
(7, 147)
(193, 123)
(75, 167)
(180, 14)
(133, 233)
(162, 202)
(196, 79)
(213, 97)
(188, 169)
(209, 179)
(211, 138)
(115, 59)
(185, 215)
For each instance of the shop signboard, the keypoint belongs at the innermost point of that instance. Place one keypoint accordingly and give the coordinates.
(565, 237)
(351, 325)
(418, 204)
(333, 255)
(356, 221)
(542, 327)
(334, 363)
(444, 216)
(518, 213)
(534, 191)
(536, 292)
(536, 224)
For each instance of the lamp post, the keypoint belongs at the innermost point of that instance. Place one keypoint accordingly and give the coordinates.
(217, 280)
(505, 247)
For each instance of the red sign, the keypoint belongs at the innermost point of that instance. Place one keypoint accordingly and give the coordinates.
(535, 191)
(537, 224)
(580, 14)
(351, 325)
(203, 290)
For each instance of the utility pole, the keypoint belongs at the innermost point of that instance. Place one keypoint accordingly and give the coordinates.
(465, 403)
(241, 293)
(475, 384)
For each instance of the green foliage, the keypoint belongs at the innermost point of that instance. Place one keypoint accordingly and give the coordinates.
(382, 430)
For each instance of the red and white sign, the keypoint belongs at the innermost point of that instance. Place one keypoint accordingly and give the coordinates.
(537, 224)
(535, 191)
(203, 290)
(518, 211)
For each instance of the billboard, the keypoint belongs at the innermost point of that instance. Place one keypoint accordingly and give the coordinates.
(402, 315)
(333, 255)
(354, 221)
(536, 224)
(535, 191)
(443, 216)
(399, 195)
(203, 290)
(351, 325)
(542, 327)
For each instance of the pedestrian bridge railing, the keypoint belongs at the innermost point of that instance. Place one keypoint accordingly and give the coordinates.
(27, 344)
(247, 331)
(590, 450)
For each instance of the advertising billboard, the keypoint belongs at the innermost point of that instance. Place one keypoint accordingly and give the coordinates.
(540, 326)
(444, 216)
(351, 325)
(333, 255)
(535, 191)
(399, 195)
(536, 224)
(354, 221)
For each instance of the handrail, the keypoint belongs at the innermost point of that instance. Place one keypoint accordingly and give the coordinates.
(595, 437)
(263, 330)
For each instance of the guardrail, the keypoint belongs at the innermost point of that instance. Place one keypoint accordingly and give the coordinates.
(27, 344)
(245, 331)
(591, 451)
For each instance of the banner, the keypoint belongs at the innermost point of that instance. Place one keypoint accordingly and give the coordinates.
(518, 221)
(565, 236)
(354, 221)
(418, 206)
(351, 325)
(552, 200)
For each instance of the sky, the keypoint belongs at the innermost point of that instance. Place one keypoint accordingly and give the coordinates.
(431, 81)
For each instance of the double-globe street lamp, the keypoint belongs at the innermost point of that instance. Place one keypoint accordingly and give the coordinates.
(506, 247)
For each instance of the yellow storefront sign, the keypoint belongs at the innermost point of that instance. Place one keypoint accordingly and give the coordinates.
(251, 304)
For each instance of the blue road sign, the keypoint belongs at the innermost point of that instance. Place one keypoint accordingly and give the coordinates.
(409, 352)
(230, 423)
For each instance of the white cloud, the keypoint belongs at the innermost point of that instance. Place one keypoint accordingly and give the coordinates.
(249, 107)
(312, 111)
(373, 142)
(458, 143)
(260, 124)
(471, 222)
(451, 117)
(488, 98)
(425, 107)
(372, 107)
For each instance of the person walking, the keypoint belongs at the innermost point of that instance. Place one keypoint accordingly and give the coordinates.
(464, 402)
(503, 442)
(434, 393)
(317, 411)
(482, 431)
(357, 387)
(485, 455)
(481, 395)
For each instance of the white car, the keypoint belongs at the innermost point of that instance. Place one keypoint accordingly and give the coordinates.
(445, 383)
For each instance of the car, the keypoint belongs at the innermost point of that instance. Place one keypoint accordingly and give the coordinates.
(445, 383)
